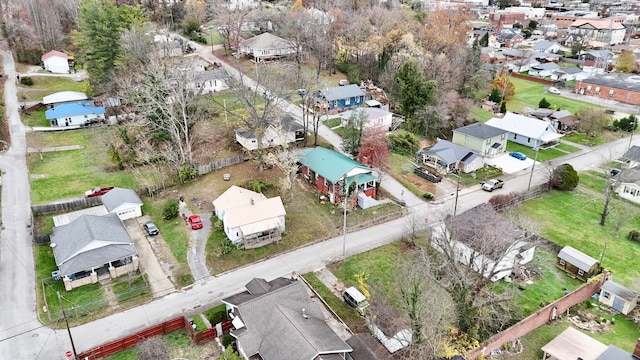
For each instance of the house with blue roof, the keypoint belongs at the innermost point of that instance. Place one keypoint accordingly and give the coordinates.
(328, 170)
(447, 157)
(73, 114)
(339, 98)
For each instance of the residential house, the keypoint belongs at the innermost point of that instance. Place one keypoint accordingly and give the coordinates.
(618, 297)
(208, 81)
(485, 240)
(564, 121)
(577, 264)
(447, 157)
(527, 131)
(267, 46)
(633, 156)
(282, 319)
(123, 202)
(547, 47)
(620, 87)
(573, 344)
(339, 98)
(486, 140)
(543, 70)
(606, 31)
(328, 170)
(373, 117)
(57, 62)
(509, 38)
(64, 97)
(629, 185)
(250, 220)
(71, 114)
(192, 65)
(501, 20)
(569, 74)
(596, 61)
(90, 248)
(279, 132)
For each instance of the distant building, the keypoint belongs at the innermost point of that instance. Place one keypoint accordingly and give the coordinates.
(606, 31)
(267, 46)
(614, 86)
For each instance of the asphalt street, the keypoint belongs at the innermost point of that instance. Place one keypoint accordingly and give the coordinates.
(23, 337)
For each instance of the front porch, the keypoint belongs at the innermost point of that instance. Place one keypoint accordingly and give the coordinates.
(112, 270)
(261, 239)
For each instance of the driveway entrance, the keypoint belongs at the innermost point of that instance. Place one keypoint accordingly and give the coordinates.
(509, 164)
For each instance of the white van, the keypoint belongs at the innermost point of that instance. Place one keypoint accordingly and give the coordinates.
(355, 299)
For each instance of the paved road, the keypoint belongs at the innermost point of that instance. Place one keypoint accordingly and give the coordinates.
(17, 315)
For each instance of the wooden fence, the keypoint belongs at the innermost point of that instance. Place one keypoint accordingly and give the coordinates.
(156, 330)
(218, 164)
(522, 198)
(72, 205)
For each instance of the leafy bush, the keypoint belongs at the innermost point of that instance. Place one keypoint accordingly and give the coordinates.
(503, 107)
(544, 104)
(428, 196)
(170, 209)
(190, 25)
(565, 177)
(218, 225)
(353, 72)
(26, 80)
(187, 172)
(405, 144)
(634, 235)
(502, 199)
(258, 185)
(495, 95)
(628, 124)
(226, 246)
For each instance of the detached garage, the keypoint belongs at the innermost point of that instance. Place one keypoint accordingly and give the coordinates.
(124, 202)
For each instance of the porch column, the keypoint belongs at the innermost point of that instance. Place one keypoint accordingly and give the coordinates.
(112, 271)
(94, 276)
(67, 283)
(136, 262)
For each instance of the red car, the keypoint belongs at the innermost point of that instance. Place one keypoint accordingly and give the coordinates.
(97, 191)
(195, 222)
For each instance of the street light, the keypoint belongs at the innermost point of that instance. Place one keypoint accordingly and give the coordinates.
(533, 167)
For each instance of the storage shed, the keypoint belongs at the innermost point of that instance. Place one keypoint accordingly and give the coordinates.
(577, 263)
(618, 297)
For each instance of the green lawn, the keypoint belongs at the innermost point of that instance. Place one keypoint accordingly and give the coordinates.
(570, 218)
(332, 122)
(568, 148)
(476, 113)
(582, 139)
(592, 181)
(35, 118)
(216, 314)
(543, 154)
(68, 174)
(399, 164)
(529, 94)
(47, 85)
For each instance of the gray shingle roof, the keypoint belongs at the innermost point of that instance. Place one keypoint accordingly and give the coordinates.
(90, 241)
(543, 45)
(275, 325)
(619, 290)
(266, 41)
(546, 66)
(481, 131)
(451, 152)
(633, 153)
(630, 176)
(118, 196)
(339, 92)
(571, 70)
(215, 74)
(581, 260)
(615, 353)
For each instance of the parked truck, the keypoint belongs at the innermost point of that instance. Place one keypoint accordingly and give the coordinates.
(492, 184)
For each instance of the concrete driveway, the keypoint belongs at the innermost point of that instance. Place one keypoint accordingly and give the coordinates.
(509, 164)
(158, 280)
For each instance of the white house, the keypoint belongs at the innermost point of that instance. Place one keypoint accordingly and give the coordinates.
(569, 74)
(629, 185)
(526, 130)
(279, 132)
(547, 46)
(72, 114)
(209, 81)
(123, 202)
(602, 30)
(57, 62)
(266, 46)
(233, 197)
(255, 225)
(373, 117)
(482, 238)
(544, 69)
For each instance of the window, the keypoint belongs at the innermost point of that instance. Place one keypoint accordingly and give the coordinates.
(528, 140)
(580, 272)
(606, 294)
(597, 89)
(347, 101)
(515, 136)
(562, 262)
(589, 88)
(611, 92)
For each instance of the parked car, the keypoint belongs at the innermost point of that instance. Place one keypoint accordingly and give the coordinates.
(150, 228)
(518, 155)
(97, 191)
(492, 185)
(355, 299)
(553, 90)
(195, 222)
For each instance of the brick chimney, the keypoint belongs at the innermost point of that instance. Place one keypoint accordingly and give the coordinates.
(636, 351)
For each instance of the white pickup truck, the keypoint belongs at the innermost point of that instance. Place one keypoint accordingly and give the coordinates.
(492, 184)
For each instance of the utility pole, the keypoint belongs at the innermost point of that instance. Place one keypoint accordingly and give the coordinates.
(344, 225)
(64, 314)
(533, 167)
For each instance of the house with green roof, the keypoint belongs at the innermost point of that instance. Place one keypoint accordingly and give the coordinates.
(328, 169)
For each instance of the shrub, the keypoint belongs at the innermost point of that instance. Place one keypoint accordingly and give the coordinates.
(495, 95)
(26, 80)
(503, 107)
(405, 144)
(428, 196)
(258, 185)
(187, 172)
(544, 104)
(218, 225)
(226, 246)
(565, 177)
(498, 200)
(634, 235)
(170, 209)
(628, 124)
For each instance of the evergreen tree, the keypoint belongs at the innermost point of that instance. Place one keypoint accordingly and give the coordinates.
(544, 104)
(413, 92)
(484, 40)
(503, 107)
(495, 95)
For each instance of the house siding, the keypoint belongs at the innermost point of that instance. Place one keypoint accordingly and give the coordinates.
(57, 64)
(342, 104)
(76, 120)
(628, 304)
(604, 92)
(574, 270)
(524, 140)
(482, 147)
(629, 191)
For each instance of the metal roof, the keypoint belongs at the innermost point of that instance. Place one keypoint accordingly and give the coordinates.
(333, 165)
(572, 344)
(64, 96)
(339, 92)
(65, 110)
(263, 215)
(575, 257)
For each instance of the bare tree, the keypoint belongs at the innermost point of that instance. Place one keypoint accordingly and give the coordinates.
(286, 159)
(604, 202)
(592, 121)
(230, 22)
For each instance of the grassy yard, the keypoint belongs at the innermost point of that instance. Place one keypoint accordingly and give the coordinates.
(529, 94)
(566, 147)
(47, 85)
(216, 314)
(35, 118)
(398, 166)
(476, 113)
(570, 218)
(592, 181)
(543, 154)
(582, 139)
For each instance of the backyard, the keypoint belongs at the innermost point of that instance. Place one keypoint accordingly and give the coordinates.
(529, 93)
(47, 85)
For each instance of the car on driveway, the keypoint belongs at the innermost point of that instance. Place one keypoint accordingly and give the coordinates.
(195, 222)
(492, 185)
(553, 90)
(97, 191)
(150, 228)
(518, 155)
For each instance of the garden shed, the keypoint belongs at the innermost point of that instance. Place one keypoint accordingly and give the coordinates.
(577, 263)
(618, 297)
